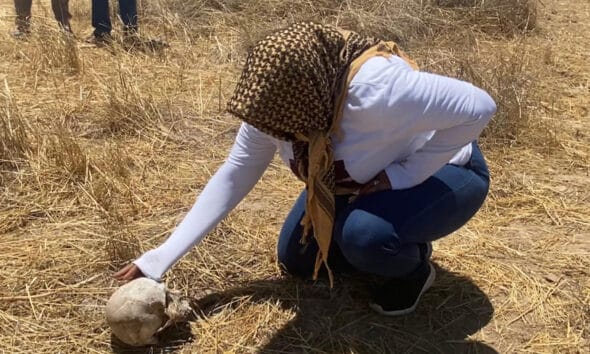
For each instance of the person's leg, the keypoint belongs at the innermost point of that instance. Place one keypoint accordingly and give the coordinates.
(23, 15)
(62, 15)
(128, 13)
(297, 259)
(387, 233)
(372, 245)
(380, 233)
(101, 19)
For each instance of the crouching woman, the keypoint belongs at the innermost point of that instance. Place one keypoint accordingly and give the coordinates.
(388, 155)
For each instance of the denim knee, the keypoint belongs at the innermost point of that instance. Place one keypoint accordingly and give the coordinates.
(367, 241)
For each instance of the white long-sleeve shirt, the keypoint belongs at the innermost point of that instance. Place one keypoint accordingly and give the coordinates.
(406, 122)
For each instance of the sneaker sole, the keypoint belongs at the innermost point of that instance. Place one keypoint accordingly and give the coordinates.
(427, 285)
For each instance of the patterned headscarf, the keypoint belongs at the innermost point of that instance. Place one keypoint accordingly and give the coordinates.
(292, 88)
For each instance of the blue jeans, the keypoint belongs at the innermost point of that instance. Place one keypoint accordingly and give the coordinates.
(384, 233)
(101, 19)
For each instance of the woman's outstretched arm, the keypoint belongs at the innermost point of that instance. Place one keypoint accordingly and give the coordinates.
(250, 156)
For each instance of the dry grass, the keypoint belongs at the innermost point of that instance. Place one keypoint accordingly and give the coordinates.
(102, 151)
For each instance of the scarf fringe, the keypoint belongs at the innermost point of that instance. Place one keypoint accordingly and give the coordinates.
(316, 217)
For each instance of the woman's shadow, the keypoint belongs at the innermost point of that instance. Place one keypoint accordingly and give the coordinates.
(340, 321)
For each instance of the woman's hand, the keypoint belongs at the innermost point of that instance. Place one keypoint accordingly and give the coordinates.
(128, 273)
(377, 184)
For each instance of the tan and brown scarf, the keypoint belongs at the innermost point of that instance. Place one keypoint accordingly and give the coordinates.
(293, 88)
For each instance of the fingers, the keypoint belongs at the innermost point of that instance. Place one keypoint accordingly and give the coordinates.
(379, 183)
(123, 271)
(373, 187)
(370, 187)
(127, 273)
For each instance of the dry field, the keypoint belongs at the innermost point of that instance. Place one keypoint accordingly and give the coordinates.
(102, 151)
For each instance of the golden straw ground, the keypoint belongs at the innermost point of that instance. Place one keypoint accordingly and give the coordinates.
(102, 151)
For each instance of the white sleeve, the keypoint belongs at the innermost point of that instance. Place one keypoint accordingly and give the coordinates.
(250, 155)
(457, 111)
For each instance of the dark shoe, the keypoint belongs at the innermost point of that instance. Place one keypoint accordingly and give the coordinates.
(23, 24)
(426, 250)
(21, 33)
(400, 296)
(100, 40)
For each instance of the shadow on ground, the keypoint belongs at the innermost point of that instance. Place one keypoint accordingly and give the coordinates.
(341, 322)
(171, 339)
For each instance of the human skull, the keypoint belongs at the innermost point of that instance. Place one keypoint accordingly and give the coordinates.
(140, 309)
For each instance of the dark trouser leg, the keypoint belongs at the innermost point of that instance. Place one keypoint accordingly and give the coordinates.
(298, 259)
(381, 233)
(128, 13)
(62, 15)
(23, 14)
(101, 20)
